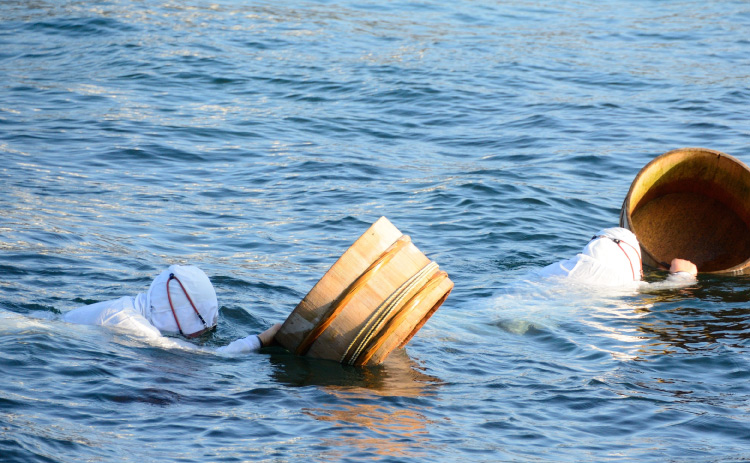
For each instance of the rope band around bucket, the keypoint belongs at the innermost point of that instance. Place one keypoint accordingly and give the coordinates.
(437, 280)
(385, 333)
(384, 312)
(338, 305)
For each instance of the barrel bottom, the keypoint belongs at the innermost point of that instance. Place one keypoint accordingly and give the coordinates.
(695, 227)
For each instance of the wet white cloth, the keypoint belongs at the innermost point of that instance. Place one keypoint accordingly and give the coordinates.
(613, 259)
(125, 313)
(148, 315)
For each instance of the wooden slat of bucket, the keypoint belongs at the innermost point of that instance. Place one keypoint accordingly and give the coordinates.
(353, 290)
(441, 287)
(333, 342)
(360, 255)
(413, 315)
(386, 311)
(361, 300)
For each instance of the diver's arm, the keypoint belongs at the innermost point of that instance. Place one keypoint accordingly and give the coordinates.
(250, 343)
(683, 266)
(681, 273)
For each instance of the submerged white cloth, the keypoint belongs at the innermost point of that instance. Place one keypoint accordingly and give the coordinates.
(611, 258)
(603, 261)
(148, 315)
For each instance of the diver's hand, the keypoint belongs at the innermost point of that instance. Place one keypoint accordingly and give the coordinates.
(682, 265)
(266, 337)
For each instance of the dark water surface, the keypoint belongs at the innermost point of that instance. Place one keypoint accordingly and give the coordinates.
(259, 139)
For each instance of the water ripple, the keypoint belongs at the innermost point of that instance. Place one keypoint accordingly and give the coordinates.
(259, 140)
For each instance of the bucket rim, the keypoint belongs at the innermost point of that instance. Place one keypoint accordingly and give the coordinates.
(626, 219)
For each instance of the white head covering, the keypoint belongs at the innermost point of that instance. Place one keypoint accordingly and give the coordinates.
(613, 263)
(200, 290)
(604, 261)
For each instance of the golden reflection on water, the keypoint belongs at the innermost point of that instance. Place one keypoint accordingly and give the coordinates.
(398, 376)
(372, 428)
(359, 406)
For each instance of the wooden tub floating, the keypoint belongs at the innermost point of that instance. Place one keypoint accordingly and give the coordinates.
(692, 203)
(373, 299)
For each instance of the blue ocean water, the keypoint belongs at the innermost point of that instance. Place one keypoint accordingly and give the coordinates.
(257, 140)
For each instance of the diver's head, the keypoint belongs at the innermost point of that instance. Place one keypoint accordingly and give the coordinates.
(183, 301)
(618, 249)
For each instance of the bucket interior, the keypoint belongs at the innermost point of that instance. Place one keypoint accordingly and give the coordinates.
(693, 226)
(697, 210)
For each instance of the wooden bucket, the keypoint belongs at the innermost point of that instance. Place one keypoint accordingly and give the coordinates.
(692, 203)
(375, 297)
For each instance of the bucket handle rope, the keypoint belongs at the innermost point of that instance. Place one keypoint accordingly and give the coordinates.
(384, 313)
(435, 281)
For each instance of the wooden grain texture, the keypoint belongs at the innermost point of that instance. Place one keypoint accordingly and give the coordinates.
(365, 250)
(406, 322)
(337, 314)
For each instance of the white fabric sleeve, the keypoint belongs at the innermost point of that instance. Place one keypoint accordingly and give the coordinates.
(99, 313)
(682, 277)
(118, 313)
(241, 346)
(121, 314)
(674, 280)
